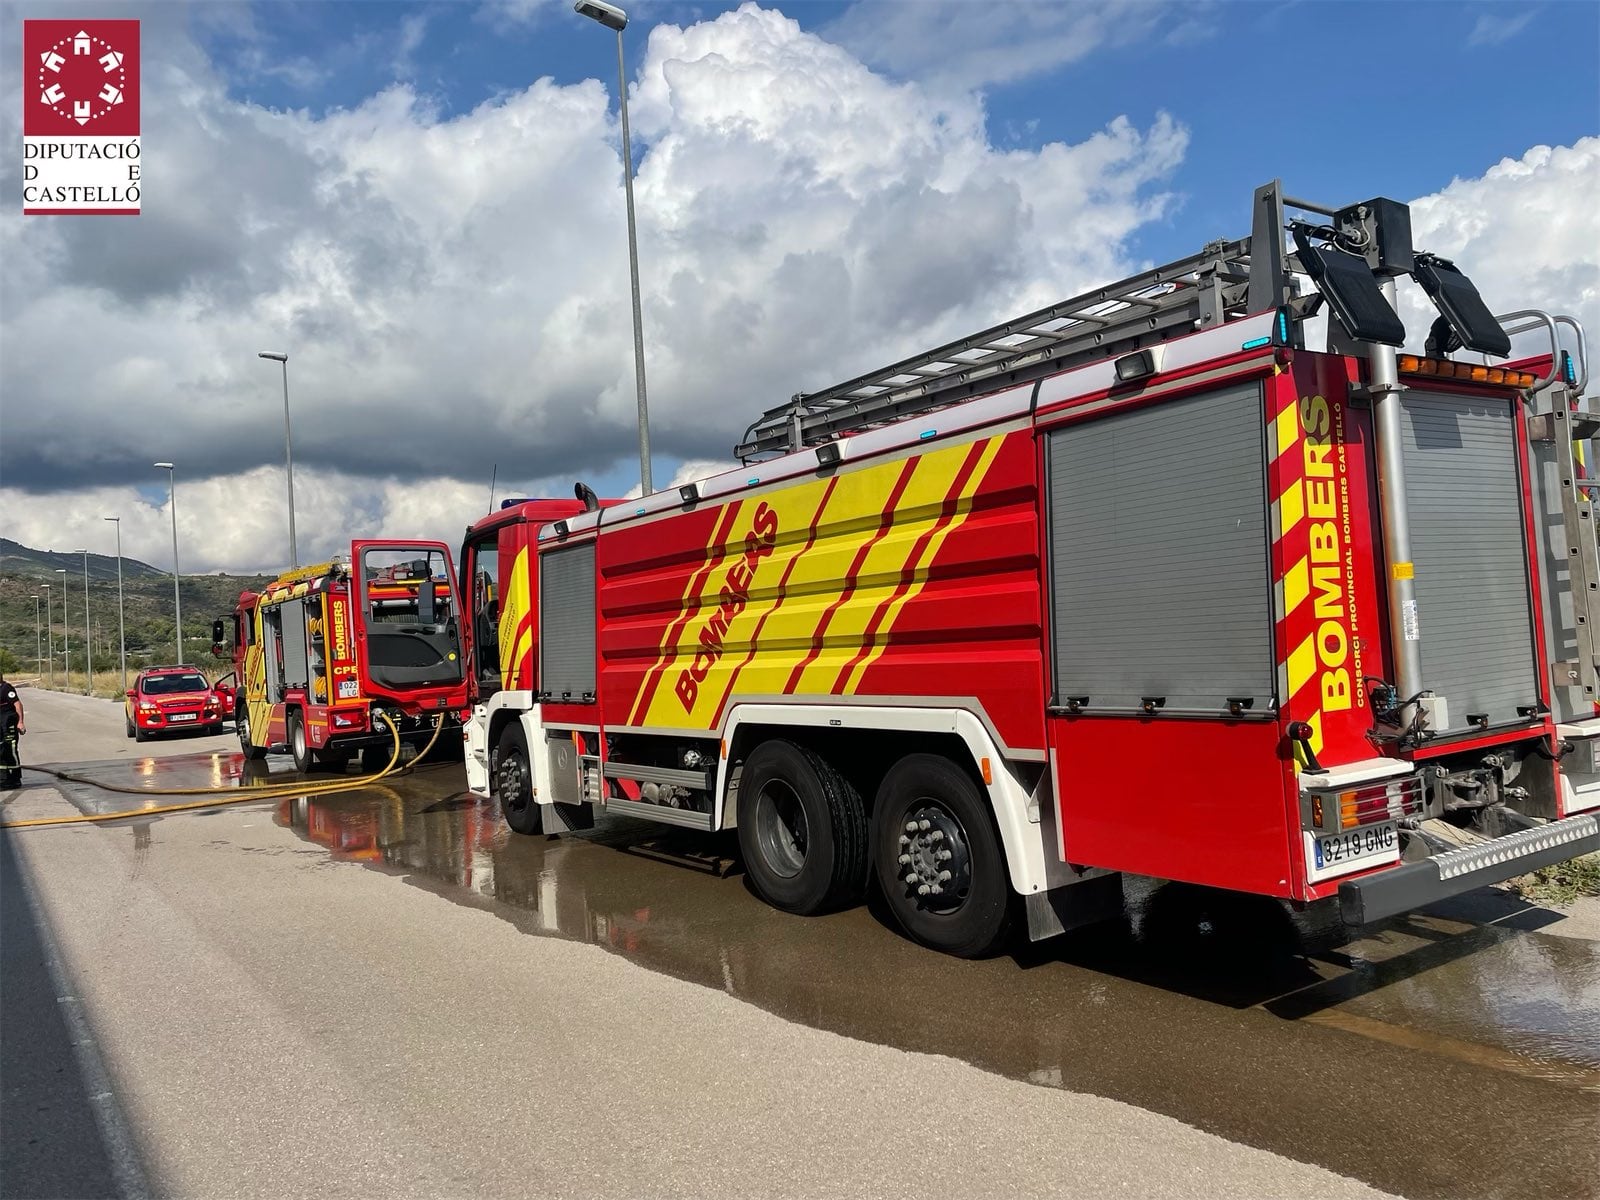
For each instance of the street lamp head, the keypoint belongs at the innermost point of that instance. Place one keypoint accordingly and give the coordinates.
(117, 519)
(608, 15)
(80, 550)
(163, 466)
(283, 358)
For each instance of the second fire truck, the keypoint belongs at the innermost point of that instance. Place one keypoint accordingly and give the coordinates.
(331, 657)
(1156, 580)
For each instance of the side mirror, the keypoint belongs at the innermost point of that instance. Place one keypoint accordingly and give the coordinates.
(132, 693)
(219, 632)
(428, 603)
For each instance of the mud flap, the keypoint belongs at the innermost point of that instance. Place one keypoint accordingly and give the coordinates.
(1412, 885)
(1074, 906)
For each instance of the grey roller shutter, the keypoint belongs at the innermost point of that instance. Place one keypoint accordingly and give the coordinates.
(566, 623)
(1467, 539)
(1158, 556)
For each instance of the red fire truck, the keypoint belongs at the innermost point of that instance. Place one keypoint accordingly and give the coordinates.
(1140, 582)
(329, 656)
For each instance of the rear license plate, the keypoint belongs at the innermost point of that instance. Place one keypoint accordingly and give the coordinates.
(1330, 854)
(182, 716)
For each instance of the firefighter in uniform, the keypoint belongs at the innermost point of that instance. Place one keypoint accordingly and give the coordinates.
(12, 727)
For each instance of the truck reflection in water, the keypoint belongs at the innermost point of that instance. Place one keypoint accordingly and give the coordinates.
(1128, 1013)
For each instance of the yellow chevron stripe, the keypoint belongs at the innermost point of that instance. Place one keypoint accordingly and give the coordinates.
(1302, 665)
(854, 513)
(918, 508)
(929, 556)
(515, 603)
(665, 651)
(1287, 424)
(1291, 508)
(1296, 585)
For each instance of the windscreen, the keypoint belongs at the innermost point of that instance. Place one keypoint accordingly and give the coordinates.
(172, 685)
(413, 636)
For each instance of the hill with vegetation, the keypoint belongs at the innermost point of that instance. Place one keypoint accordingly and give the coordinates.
(147, 610)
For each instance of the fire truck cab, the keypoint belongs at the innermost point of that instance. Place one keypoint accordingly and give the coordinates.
(331, 657)
(1195, 576)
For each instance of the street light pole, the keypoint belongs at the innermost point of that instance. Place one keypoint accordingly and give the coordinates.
(177, 600)
(66, 643)
(49, 633)
(613, 17)
(38, 638)
(288, 449)
(88, 644)
(122, 633)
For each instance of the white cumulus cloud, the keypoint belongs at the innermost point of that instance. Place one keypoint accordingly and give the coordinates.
(452, 292)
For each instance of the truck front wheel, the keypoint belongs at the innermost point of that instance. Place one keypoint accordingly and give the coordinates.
(802, 830)
(513, 782)
(938, 858)
(241, 726)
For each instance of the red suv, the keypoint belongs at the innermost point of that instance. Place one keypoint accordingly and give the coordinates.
(171, 698)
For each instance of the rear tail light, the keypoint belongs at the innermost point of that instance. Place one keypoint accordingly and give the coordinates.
(1335, 809)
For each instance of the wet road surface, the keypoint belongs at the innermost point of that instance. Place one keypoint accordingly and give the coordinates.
(1428, 1057)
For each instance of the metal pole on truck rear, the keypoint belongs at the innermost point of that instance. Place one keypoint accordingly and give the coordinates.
(1404, 628)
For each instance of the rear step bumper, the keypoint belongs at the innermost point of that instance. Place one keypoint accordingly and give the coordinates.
(1403, 888)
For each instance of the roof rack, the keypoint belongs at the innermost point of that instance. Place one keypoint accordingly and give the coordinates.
(1226, 280)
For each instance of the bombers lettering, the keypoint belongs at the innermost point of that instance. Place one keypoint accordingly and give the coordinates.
(340, 646)
(1328, 535)
(731, 600)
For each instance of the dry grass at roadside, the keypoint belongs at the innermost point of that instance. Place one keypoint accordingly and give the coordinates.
(1560, 884)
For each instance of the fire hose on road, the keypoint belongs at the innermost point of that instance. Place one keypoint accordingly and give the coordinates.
(241, 795)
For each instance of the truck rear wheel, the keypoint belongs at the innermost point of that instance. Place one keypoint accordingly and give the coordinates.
(802, 830)
(335, 758)
(299, 748)
(938, 858)
(512, 781)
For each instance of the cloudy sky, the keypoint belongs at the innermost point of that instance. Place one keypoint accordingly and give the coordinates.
(422, 205)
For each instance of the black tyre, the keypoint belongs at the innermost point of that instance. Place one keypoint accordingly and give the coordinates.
(241, 726)
(802, 830)
(128, 722)
(335, 758)
(140, 734)
(299, 747)
(938, 858)
(512, 781)
(213, 730)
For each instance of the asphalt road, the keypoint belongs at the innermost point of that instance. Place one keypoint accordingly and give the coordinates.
(385, 992)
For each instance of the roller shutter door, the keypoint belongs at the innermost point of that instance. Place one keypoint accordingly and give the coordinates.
(1159, 556)
(566, 623)
(1467, 539)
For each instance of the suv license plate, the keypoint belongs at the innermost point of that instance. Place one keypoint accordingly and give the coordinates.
(182, 716)
(1330, 854)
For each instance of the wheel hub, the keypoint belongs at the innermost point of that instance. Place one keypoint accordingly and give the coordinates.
(934, 860)
(511, 782)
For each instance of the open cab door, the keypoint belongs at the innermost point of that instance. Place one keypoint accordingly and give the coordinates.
(407, 622)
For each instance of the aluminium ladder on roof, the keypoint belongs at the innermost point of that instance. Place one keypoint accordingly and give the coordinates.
(1197, 292)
